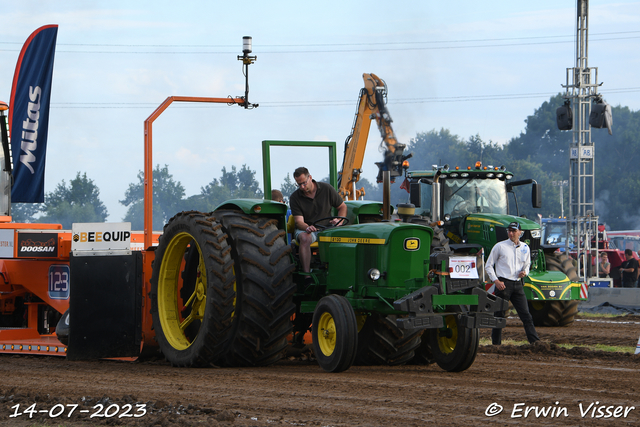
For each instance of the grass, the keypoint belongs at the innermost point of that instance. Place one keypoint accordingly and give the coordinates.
(605, 315)
(585, 314)
(598, 347)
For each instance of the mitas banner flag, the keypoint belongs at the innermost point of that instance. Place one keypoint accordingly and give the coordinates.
(29, 114)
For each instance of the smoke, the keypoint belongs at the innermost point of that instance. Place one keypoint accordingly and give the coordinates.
(601, 206)
(632, 222)
(624, 220)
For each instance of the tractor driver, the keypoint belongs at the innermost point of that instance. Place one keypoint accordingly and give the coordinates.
(309, 203)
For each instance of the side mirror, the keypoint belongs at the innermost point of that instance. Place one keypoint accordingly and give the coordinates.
(536, 195)
(414, 194)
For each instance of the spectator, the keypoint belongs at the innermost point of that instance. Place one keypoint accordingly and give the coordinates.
(604, 267)
(629, 270)
(276, 196)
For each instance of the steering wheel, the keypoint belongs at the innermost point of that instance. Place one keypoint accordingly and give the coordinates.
(344, 221)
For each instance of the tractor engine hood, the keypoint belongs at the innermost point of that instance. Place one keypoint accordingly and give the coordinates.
(397, 251)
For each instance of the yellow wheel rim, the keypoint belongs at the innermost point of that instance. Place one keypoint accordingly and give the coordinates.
(447, 343)
(327, 334)
(169, 312)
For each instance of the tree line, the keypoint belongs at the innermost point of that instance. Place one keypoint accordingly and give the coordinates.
(540, 152)
(79, 201)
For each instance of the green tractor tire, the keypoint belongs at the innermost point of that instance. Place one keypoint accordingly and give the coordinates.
(192, 328)
(381, 342)
(334, 333)
(263, 272)
(454, 347)
(556, 312)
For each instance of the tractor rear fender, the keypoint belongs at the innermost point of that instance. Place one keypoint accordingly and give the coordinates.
(359, 211)
(258, 207)
(254, 206)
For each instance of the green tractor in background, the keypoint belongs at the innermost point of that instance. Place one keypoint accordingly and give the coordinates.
(473, 207)
(227, 289)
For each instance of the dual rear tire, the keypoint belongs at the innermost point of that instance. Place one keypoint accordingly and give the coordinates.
(222, 290)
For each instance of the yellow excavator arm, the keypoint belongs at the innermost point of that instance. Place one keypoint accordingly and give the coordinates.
(371, 105)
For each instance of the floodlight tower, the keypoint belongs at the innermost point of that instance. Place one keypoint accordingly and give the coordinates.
(581, 90)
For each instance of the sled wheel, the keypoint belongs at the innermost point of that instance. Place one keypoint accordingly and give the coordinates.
(194, 331)
(454, 347)
(62, 328)
(334, 333)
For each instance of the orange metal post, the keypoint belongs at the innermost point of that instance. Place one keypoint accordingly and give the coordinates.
(148, 150)
(148, 256)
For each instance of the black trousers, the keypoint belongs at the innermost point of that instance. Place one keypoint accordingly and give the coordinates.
(514, 292)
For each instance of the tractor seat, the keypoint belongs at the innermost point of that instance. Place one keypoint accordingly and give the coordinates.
(291, 229)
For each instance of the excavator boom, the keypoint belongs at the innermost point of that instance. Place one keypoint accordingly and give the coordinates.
(371, 106)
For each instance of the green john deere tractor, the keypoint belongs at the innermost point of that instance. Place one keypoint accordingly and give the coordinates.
(473, 207)
(227, 289)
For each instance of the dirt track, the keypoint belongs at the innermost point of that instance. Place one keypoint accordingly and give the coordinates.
(296, 392)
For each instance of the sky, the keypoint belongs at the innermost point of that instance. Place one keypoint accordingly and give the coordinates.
(474, 68)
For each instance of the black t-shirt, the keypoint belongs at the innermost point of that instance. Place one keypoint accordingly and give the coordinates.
(626, 276)
(317, 208)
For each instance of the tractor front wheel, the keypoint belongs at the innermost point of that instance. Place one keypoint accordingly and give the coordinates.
(334, 333)
(454, 346)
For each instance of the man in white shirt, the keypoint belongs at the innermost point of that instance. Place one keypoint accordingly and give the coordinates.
(508, 263)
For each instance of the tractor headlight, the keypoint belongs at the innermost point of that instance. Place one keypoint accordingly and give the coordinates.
(374, 274)
(535, 234)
